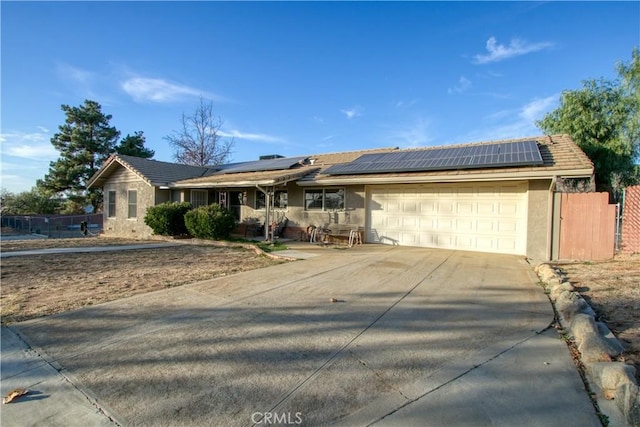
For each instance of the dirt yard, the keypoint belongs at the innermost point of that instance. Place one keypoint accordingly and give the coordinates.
(612, 288)
(35, 286)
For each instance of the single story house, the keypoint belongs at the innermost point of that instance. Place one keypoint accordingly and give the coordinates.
(492, 196)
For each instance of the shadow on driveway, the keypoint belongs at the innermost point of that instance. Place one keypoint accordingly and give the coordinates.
(414, 327)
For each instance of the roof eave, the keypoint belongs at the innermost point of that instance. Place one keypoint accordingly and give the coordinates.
(500, 176)
(97, 177)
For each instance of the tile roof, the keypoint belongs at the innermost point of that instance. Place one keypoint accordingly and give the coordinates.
(273, 177)
(153, 172)
(164, 172)
(560, 155)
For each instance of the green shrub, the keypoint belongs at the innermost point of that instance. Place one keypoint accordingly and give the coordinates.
(210, 222)
(167, 219)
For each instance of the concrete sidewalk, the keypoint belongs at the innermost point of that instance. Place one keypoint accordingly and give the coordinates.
(52, 399)
(85, 249)
(415, 337)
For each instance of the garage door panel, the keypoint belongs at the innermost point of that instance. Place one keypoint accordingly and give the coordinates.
(465, 225)
(446, 191)
(410, 206)
(507, 226)
(508, 208)
(486, 208)
(466, 243)
(410, 222)
(482, 216)
(428, 207)
(506, 245)
(446, 208)
(485, 226)
(467, 191)
(465, 208)
(486, 244)
(445, 224)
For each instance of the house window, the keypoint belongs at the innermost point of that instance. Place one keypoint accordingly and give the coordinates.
(133, 204)
(199, 198)
(334, 199)
(111, 201)
(324, 199)
(260, 200)
(280, 199)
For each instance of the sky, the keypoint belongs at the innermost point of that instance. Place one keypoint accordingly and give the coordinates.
(299, 78)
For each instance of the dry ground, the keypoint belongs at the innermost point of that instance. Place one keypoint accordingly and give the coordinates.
(35, 286)
(612, 288)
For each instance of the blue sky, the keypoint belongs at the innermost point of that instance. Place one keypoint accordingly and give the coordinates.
(299, 78)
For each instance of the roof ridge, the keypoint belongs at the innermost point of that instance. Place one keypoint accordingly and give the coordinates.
(125, 156)
(354, 151)
(538, 139)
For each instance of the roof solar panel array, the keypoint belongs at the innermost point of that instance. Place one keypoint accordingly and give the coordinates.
(264, 165)
(519, 153)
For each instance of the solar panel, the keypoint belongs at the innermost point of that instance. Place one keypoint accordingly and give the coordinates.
(264, 165)
(507, 154)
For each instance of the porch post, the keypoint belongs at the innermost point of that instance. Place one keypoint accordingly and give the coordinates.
(267, 219)
(266, 211)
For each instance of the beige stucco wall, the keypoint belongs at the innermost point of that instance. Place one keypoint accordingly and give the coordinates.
(162, 196)
(352, 215)
(121, 181)
(538, 219)
(299, 218)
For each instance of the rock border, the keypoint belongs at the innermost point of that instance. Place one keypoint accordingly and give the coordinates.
(596, 343)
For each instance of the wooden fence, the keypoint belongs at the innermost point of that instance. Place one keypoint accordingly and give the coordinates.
(631, 220)
(587, 226)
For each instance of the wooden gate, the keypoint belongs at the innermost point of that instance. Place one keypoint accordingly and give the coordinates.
(587, 226)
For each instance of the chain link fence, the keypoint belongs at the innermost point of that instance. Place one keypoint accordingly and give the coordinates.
(52, 226)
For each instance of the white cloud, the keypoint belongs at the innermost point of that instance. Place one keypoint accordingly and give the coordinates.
(28, 145)
(76, 74)
(143, 89)
(352, 112)
(537, 108)
(318, 119)
(463, 85)
(81, 82)
(415, 135)
(25, 158)
(515, 123)
(405, 104)
(250, 136)
(498, 52)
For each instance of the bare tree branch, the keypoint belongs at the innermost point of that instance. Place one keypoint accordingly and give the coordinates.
(198, 142)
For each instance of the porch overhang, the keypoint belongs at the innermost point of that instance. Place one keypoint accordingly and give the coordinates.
(240, 180)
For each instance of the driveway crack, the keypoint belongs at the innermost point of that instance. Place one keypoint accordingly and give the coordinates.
(471, 369)
(341, 350)
(378, 375)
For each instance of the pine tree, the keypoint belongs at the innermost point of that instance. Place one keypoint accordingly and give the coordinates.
(85, 141)
(133, 145)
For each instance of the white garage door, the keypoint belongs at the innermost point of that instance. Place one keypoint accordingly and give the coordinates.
(486, 217)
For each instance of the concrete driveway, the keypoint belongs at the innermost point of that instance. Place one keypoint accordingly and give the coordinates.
(417, 337)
